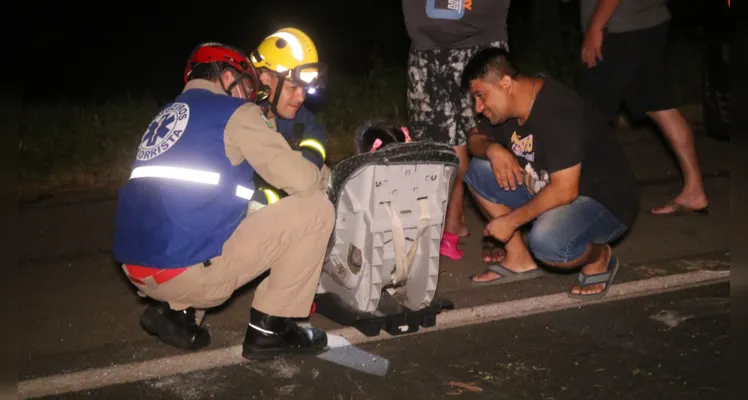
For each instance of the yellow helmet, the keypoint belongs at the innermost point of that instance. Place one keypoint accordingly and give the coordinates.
(291, 53)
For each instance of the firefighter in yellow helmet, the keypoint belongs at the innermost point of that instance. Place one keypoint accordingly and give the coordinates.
(289, 69)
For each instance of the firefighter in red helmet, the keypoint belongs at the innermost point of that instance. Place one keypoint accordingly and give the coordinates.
(189, 230)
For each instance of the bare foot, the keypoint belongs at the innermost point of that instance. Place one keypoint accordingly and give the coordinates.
(493, 251)
(596, 267)
(514, 264)
(683, 202)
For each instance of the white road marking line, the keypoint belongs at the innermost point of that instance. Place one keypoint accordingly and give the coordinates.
(191, 362)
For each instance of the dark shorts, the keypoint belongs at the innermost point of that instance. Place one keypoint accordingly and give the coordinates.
(438, 109)
(558, 235)
(634, 70)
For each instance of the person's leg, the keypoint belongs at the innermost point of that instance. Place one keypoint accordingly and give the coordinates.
(455, 118)
(680, 137)
(516, 257)
(427, 120)
(494, 202)
(577, 235)
(290, 238)
(652, 95)
(492, 250)
(432, 117)
(173, 318)
(455, 219)
(418, 99)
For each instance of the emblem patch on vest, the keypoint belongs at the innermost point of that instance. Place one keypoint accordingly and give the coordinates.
(164, 131)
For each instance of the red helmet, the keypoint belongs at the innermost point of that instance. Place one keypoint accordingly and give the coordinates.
(218, 53)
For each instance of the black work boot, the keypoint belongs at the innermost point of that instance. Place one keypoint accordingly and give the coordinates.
(269, 336)
(177, 328)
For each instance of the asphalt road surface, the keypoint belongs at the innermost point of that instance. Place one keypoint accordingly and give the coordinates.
(673, 345)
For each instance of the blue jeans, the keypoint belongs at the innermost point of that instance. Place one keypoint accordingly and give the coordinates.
(559, 235)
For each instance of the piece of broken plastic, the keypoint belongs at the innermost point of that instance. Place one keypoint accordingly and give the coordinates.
(343, 353)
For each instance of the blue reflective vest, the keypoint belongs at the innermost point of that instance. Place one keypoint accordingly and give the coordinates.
(184, 198)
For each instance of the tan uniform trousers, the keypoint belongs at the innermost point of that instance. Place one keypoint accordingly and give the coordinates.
(288, 237)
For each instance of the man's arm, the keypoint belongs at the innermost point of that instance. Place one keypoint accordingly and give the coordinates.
(563, 142)
(478, 143)
(268, 152)
(478, 139)
(313, 143)
(602, 14)
(593, 37)
(505, 166)
(563, 189)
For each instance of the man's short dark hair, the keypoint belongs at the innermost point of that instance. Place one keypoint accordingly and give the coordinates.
(492, 61)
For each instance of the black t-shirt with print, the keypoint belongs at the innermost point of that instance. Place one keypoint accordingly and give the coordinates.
(562, 131)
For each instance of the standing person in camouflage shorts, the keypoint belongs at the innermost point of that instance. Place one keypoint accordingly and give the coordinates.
(444, 35)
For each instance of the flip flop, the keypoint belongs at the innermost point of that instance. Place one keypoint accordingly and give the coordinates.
(490, 245)
(680, 210)
(507, 275)
(606, 277)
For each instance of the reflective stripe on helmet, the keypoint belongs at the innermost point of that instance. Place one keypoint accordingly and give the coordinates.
(187, 174)
(314, 145)
(292, 41)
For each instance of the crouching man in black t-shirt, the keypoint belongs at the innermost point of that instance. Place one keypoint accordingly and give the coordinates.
(543, 155)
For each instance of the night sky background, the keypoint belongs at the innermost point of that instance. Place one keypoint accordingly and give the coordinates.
(99, 50)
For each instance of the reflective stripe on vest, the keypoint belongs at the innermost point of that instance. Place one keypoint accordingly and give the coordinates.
(187, 174)
(244, 192)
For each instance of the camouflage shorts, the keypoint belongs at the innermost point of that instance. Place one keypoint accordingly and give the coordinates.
(438, 109)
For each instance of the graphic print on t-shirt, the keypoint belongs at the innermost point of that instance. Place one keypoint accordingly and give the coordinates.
(523, 147)
(448, 9)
